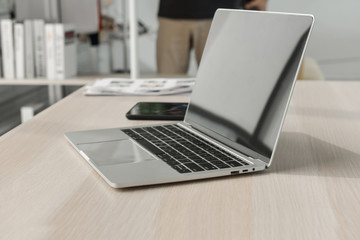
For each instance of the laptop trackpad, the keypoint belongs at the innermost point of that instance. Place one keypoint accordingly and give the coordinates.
(114, 152)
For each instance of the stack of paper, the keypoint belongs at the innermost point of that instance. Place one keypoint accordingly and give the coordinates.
(149, 86)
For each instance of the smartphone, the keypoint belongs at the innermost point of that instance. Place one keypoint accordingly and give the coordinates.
(158, 111)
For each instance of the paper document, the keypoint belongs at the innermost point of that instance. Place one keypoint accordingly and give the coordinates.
(149, 86)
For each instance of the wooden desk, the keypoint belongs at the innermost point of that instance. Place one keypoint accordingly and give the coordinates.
(312, 190)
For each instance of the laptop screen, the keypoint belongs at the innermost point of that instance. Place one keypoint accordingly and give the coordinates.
(246, 76)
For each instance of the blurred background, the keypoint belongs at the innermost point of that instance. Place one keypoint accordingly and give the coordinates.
(334, 44)
(102, 28)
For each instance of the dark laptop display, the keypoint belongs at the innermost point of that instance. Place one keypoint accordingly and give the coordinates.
(251, 84)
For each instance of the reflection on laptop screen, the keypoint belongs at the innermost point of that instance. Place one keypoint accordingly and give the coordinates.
(241, 93)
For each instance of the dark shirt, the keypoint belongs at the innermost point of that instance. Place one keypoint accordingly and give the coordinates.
(194, 9)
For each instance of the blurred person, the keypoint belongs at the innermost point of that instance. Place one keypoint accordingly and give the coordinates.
(184, 25)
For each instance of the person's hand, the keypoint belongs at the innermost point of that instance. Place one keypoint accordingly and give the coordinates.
(256, 4)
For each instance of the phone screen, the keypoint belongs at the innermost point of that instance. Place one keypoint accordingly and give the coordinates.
(158, 111)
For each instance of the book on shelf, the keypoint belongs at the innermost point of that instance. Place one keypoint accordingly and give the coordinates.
(65, 51)
(29, 49)
(50, 50)
(7, 45)
(19, 50)
(34, 48)
(1, 70)
(39, 50)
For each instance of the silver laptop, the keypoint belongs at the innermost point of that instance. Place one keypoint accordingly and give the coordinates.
(233, 121)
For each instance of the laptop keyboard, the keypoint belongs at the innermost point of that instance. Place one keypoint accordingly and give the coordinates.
(182, 150)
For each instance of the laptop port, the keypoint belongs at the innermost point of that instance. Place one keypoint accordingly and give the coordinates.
(245, 170)
(234, 172)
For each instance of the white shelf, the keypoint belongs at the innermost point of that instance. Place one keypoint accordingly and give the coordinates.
(79, 80)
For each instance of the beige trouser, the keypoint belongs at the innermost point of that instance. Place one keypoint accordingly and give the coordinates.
(175, 40)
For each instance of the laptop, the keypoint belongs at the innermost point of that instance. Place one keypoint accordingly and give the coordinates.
(238, 105)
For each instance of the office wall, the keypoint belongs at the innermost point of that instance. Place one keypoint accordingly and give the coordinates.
(335, 42)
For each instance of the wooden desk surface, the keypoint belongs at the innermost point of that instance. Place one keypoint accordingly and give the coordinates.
(312, 190)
